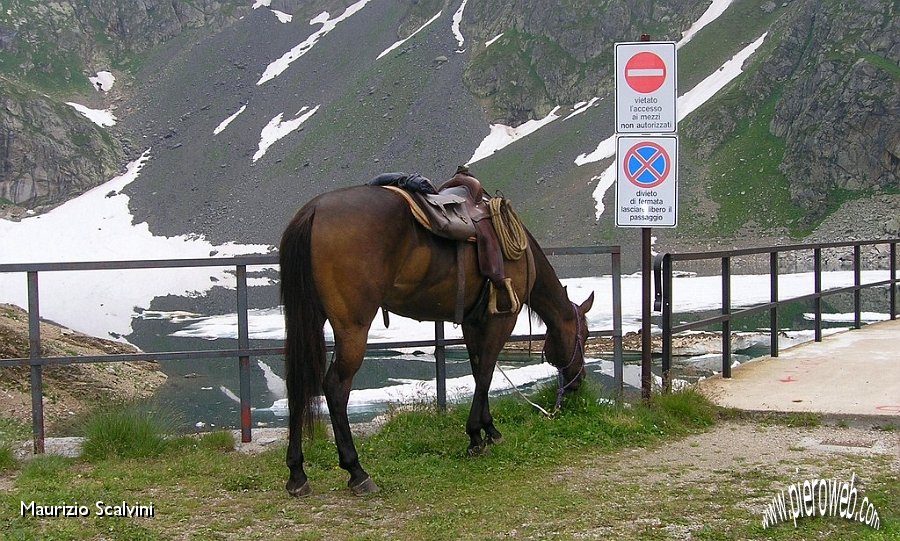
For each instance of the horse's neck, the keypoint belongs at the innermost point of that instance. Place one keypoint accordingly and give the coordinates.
(548, 297)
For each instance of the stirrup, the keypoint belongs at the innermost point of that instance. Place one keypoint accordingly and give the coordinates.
(515, 305)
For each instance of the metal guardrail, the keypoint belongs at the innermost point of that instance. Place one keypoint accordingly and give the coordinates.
(663, 272)
(243, 352)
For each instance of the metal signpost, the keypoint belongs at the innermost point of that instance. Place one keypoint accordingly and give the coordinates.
(647, 157)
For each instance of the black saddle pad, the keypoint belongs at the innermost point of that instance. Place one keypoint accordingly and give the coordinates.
(415, 182)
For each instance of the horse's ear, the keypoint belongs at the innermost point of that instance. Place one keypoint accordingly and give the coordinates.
(587, 304)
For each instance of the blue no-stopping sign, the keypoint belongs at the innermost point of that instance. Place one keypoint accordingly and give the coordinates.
(647, 164)
(647, 181)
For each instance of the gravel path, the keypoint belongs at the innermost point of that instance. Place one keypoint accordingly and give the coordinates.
(675, 490)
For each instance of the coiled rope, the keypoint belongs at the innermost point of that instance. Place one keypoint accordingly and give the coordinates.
(509, 228)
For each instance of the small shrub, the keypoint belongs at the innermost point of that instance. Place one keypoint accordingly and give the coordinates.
(687, 406)
(124, 434)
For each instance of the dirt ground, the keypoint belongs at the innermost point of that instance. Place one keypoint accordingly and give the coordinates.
(750, 460)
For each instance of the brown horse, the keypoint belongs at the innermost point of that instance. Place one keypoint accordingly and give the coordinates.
(349, 252)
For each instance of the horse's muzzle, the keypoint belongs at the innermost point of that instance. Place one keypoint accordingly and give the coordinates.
(575, 382)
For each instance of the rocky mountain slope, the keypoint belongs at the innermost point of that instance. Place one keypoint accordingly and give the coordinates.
(49, 152)
(809, 126)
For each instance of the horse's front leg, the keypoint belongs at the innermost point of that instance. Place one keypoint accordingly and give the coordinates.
(480, 419)
(477, 412)
(484, 341)
(337, 385)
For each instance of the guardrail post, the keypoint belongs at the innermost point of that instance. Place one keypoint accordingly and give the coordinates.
(440, 365)
(773, 298)
(666, 322)
(893, 266)
(726, 323)
(244, 360)
(817, 301)
(34, 353)
(857, 292)
(618, 362)
(646, 306)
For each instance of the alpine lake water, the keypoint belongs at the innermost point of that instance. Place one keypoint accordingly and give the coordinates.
(202, 394)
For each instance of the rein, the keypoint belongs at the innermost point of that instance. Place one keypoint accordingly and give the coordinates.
(579, 346)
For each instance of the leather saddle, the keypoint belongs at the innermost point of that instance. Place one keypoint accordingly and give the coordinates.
(460, 211)
(453, 212)
(450, 212)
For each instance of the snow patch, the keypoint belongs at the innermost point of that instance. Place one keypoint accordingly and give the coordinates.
(276, 129)
(712, 13)
(404, 40)
(103, 81)
(277, 67)
(224, 124)
(457, 19)
(102, 118)
(282, 16)
(97, 226)
(502, 136)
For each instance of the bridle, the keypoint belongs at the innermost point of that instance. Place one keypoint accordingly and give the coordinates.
(579, 347)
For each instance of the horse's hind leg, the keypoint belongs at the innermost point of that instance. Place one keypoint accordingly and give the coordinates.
(350, 348)
(297, 484)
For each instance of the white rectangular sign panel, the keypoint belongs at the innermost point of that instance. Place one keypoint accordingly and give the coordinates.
(646, 87)
(647, 181)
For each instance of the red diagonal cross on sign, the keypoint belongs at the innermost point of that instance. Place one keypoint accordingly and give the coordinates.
(646, 164)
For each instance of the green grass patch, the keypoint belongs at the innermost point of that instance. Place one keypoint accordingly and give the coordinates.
(745, 180)
(12, 430)
(221, 440)
(7, 457)
(125, 433)
(884, 64)
(797, 420)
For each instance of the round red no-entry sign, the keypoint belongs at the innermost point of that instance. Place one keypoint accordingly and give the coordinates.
(645, 72)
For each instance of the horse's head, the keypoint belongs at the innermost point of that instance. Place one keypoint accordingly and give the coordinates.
(564, 347)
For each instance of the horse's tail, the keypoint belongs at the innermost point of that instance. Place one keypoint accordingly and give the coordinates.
(304, 318)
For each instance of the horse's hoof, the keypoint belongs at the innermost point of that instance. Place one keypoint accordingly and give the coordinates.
(299, 492)
(478, 450)
(494, 440)
(368, 486)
